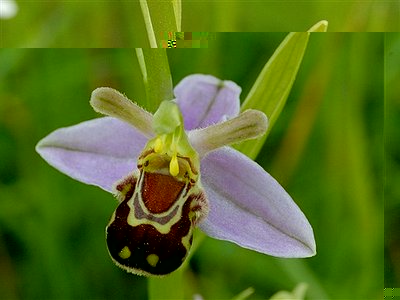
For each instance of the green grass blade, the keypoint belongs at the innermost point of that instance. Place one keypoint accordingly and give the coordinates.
(160, 17)
(272, 87)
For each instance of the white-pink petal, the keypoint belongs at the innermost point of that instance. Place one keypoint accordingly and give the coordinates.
(250, 208)
(97, 152)
(206, 100)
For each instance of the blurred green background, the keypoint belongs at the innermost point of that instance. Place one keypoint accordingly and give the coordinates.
(91, 23)
(392, 159)
(326, 149)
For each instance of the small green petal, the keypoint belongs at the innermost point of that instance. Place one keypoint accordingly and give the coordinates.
(167, 118)
(171, 143)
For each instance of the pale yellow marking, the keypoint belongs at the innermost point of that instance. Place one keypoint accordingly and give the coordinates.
(186, 240)
(164, 229)
(125, 253)
(152, 259)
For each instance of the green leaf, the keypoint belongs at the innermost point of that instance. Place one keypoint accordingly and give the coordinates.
(272, 86)
(156, 76)
(321, 26)
(167, 118)
(160, 17)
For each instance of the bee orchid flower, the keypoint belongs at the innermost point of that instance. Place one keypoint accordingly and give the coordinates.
(174, 170)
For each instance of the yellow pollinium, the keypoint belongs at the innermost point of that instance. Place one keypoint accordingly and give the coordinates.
(174, 166)
(163, 145)
(158, 145)
(170, 150)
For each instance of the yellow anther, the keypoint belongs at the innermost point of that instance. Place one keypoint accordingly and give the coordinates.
(158, 145)
(174, 166)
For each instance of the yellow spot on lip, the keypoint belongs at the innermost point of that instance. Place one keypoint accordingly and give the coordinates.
(125, 253)
(152, 259)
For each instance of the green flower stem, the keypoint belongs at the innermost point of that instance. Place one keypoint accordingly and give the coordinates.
(160, 17)
(168, 287)
(172, 286)
(156, 76)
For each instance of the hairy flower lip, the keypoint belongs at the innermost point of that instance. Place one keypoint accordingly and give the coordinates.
(253, 212)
